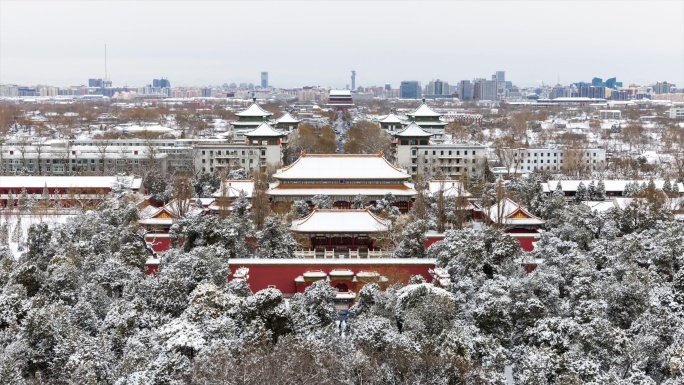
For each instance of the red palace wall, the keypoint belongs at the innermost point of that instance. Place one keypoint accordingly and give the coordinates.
(282, 273)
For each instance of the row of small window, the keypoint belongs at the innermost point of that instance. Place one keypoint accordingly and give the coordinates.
(458, 161)
(535, 154)
(448, 170)
(218, 152)
(211, 161)
(442, 152)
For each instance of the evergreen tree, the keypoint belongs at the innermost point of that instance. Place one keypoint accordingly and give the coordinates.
(23, 202)
(581, 194)
(275, 241)
(360, 202)
(601, 191)
(18, 232)
(300, 209)
(591, 191)
(322, 202)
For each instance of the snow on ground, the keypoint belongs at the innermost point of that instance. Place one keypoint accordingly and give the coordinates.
(26, 222)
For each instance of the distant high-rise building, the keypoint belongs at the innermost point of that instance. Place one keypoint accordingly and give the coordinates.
(613, 83)
(437, 88)
(161, 83)
(485, 89)
(410, 89)
(500, 77)
(594, 92)
(264, 80)
(95, 83)
(597, 82)
(388, 87)
(353, 81)
(662, 88)
(465, 90)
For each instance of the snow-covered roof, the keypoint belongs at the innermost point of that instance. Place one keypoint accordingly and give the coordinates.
(287, 118)
(449, 188)
(315, 274)
(390, 118)
(611, 185)
(340, 221)
(512, 214)
(600, 206)
(424, 110)
(372, 262)
(254, 110)
(169, 213)
(264, 130)
(278, 189)
(341, 273)
(67, 182)
(341, 167)
(233, 188)
(340, 93)
(413, 130)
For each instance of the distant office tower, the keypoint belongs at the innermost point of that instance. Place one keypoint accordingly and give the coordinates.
(161, 83)
(594, 92)
(500, 77)
(264, 80)
(485, 89)
(353, 79)
(465, 90)
(410, 89)
(662, 88)
(597, 82)
(613, 83)
(436, 88)
(94, 82)
(388, 87)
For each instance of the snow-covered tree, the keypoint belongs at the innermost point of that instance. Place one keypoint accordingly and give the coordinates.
(300, 209)
(275, 241)
(238, 174)
(322, 202)
(413, 241)
(360, 202)
(581, 194)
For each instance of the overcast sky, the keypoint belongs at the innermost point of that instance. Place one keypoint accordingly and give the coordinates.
(320, 42)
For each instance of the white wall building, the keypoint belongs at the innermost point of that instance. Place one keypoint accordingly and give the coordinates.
(551, 159)
(610, 114)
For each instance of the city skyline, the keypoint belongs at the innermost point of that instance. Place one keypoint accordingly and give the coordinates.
(57, 44)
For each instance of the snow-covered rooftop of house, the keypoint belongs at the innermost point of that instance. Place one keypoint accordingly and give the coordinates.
(611, 185)
(233, 188)
(340, 221)
(67, 182)
(264, 130)
(254, 110)
(449, 188)
(287, 118)
(424, 110)
(413, 130)
(341, 167)
(512, 214)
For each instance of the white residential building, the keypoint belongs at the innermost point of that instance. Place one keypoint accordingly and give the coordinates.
(610, 114)
(551, 159)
